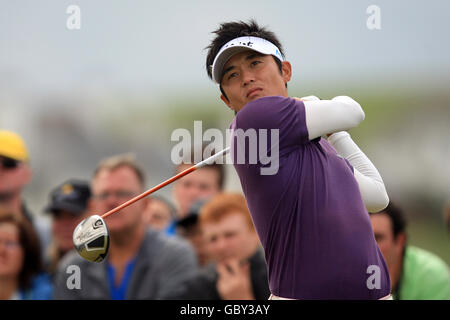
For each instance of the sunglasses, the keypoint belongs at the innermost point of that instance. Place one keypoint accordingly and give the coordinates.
(8, 163)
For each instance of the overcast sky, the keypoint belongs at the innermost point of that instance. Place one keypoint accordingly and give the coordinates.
(153, 45)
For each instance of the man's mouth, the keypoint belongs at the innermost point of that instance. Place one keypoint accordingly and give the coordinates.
(6, 196)
(253, 92)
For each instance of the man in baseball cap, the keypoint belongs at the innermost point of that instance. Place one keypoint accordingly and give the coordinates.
(15, 175)
(67, 205)
(15, 172)
(12, 146)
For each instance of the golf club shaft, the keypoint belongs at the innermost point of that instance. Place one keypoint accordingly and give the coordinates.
(205, 162)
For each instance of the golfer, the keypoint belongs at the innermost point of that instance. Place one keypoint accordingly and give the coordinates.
(311, 215)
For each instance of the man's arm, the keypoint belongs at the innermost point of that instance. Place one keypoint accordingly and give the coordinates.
(370, 183)
(328, 116)
(324, 117)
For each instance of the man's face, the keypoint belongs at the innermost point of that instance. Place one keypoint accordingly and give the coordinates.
(230, 238)
(194, 235)
(390, 247)
(63, 225)
(249, 75)
(157, 214)
(110, 189)
(12, 180)
(200, 184)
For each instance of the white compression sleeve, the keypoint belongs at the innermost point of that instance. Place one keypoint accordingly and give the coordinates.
(328, 116)
(369, 180)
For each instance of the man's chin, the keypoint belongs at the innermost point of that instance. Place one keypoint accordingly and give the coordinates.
(256, 97)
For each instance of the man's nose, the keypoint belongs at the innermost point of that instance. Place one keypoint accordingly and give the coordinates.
(221, 245)
(112, 201)
(247, 77)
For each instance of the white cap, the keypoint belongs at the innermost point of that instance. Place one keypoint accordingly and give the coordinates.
(241, 44)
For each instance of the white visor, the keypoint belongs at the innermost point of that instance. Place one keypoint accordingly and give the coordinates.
(241, 44)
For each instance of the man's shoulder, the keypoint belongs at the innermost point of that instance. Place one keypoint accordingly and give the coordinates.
(166, 245)
(424, 259)
(264, 108)
(72, 258)
(173, 241)
(205, 274)
(425, 275)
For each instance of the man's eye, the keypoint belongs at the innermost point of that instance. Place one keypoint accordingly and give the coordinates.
(232, 75)
(254, 63)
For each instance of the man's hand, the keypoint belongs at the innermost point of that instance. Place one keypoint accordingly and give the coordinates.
(234, 282)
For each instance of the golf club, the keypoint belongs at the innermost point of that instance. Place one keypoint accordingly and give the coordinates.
(91, 236)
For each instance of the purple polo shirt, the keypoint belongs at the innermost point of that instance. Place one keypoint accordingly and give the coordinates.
(310, 217)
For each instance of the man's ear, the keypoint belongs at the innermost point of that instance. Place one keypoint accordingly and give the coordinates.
(286, 69)
(400, 241)
(145, 202)
(90, 208)
(227, 102)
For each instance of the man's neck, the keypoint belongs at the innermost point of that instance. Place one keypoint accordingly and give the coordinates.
(8, 287)
(125, 246)
(123, 249)
(14, 203)
(396, 273)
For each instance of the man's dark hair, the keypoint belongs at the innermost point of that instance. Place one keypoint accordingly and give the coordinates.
(232, 30)
(397, 217)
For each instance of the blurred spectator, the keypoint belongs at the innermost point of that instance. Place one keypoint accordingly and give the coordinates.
(21, 276)
(416, 274)
(142, 263)
(190, 191)
(15, 174)
(159, 213)
(239, 271)
(68, 203)
(201, 184)
(189, 228)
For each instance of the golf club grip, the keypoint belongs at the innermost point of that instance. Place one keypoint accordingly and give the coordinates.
(165, 183)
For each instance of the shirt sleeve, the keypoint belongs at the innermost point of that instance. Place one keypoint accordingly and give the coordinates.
(276, 113)
(328, 116)
(369, 180)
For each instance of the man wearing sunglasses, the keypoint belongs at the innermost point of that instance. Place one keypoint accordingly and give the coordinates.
(15, 172)
(15, 175)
